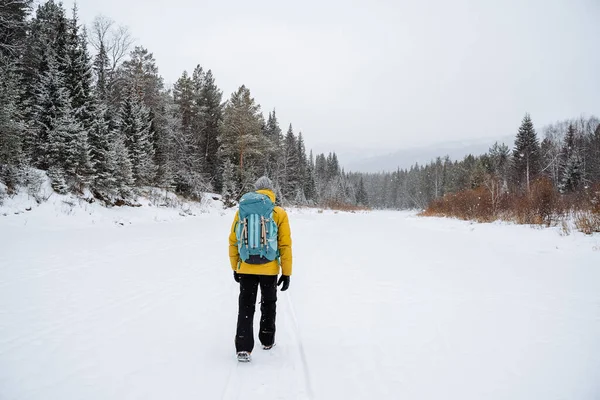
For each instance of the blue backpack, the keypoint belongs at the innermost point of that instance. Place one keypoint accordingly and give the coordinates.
(256, 232)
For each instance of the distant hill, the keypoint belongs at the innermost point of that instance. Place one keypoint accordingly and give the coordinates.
(376, 161)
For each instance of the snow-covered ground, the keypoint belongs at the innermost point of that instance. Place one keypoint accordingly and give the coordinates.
(382, 305)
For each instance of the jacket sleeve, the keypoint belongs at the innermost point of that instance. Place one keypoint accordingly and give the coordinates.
(284, 243)
(234, 256)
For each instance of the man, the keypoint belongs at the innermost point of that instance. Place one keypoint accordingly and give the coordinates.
(255, 264)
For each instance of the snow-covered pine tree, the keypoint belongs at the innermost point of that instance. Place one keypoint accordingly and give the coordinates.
(198, 82)
(526, 155)
(69, 151)
(301, 171)
(320, 175)
(140, 73)
(48, 32)
(291, 179)
(211, 114)
(134, 125)
(333, 166)
(229, 190)
(302, 160)
(57, 179)
(167, 121)
(60, 140)
(102, 151)
(571, 163)
(241, 138)
(572, 174)
(189, 179)
(594, 155)
(12, 127)
(500, 161)
(275, 152)
(310, 188)
(13, 27)
(13, 32)
(185, 99)
(50, 104)
(101, 69)
(79, 74)
(124, 179)
(362, 198)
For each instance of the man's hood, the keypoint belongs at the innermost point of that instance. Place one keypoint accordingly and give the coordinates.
(267, 192)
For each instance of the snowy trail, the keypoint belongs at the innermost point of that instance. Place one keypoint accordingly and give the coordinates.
(381, 305)
(285, 364)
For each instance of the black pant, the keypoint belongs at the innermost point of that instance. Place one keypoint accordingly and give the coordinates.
(244, 337)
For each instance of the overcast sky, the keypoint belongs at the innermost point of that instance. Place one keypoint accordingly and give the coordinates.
(382, 75)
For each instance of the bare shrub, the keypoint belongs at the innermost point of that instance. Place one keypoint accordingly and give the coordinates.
(475, 204)
(587, 222)
(542, 206)
(544, 201)
(341, 206)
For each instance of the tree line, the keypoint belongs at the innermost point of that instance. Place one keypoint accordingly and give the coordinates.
(103, 121)
(568, 156)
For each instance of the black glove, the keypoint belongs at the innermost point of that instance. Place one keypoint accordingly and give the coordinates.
(286, 282)
(236, 277)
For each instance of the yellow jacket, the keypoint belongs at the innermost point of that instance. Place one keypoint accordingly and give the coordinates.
(284, 244)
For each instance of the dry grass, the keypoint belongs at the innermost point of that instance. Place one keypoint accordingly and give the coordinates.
(544, 206)
(587, 222)
(475, 204)
(340, 206)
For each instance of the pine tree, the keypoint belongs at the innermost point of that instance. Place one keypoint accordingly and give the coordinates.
(310, 188)
(291, 179)
(211, 114)
(184, 98)
(13, 27)
(134, 125)
(229, 190)
(124, 179)
(140, 74)
(362, 197)
(68, 150)
(189, 177)
(302, 159)
(102, 151)
(78, 74)
(571, 163)
(241, 138)
(275, 152)
(526, 154)
(594, 150)
(13, 32)
(165, 143)
(500, 158)
(57, 180)
(47, 40)
(200, 110)
(12, 127)
(101, 69)
(51, 104)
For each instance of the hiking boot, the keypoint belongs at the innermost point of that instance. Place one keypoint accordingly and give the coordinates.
(243, 356)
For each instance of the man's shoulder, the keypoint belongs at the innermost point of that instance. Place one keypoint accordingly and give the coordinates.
(279, 211)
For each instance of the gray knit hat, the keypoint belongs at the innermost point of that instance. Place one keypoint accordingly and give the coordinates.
(264, 183)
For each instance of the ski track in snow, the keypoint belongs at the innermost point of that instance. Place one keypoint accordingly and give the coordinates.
(381, 305)
(285, 364)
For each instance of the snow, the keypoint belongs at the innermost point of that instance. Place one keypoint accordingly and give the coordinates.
(381, 305)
